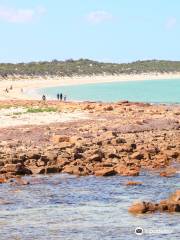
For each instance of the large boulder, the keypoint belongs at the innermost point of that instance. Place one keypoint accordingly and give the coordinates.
(126, 171)
(143, 207)
(15, 169)
(105, 172)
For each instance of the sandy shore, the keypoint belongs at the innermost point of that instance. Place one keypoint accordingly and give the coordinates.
(30, 85)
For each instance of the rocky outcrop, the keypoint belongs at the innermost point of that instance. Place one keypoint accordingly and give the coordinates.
(118, 139)
(172, 204)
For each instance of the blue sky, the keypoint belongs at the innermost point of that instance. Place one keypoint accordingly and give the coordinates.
(106, 30)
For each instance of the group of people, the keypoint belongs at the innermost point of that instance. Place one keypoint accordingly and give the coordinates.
(8, 89)
(60, 97)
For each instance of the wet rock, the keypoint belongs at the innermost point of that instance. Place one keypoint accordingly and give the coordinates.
(168, 172)
(125, 171)
(175, 197)
(142, 207)
(133, 183)
(76, 170)
(3, 180)
(16, 169)
(19, 181)
(53, 169)
(172, 204)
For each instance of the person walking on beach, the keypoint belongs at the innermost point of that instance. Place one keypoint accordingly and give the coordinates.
(65, 98)
(61, 97)
(11, 87)
(44, 98)
(58, 96)
(6, 90)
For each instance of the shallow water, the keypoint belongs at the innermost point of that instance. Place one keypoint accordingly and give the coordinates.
(68, 207)
(154, 91)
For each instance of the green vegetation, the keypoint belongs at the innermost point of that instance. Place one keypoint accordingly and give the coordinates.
(40, 110)
(36, 110)
(86, 67)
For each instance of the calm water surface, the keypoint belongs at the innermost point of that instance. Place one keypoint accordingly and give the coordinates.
(155, 91)
(68, 207)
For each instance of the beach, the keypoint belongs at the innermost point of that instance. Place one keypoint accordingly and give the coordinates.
(25, 88)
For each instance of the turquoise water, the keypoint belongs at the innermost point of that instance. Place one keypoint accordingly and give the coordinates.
(154, 91)
(85, 208)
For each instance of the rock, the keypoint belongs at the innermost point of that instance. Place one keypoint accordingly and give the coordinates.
(125, 171)
(105, 172)
(175, 197)
(64, 145)
(108, 108)
(132, 183)
(75, 139)
(120, 140)
(60, 138)
(95, 158)
(169, 172)
(142, 207)
(20, 181)
(138, 208)
(4, 202)
(76, 170)
(3, 180)
(33, 155)
(16, 169)
(109, 135)
(172, 204)
(52, 169)
(137, 155)
(169, 207)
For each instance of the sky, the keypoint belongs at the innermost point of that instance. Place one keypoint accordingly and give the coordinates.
(103, 30)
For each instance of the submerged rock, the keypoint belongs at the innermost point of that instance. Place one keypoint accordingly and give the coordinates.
(133, 183)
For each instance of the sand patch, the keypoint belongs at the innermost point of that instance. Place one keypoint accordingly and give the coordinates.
(12, 117)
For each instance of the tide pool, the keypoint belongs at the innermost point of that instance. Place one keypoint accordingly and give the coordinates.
(153, 91)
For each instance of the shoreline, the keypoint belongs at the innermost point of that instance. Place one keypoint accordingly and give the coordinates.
(30, 85)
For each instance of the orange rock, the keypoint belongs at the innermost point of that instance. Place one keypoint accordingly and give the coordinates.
(175, 197)
(3, 180)
(143, 207)
(132, 183)
(108, 108)
(105, 172)
(169, 172)
(125, 171)
(60, 138)
(137, 208)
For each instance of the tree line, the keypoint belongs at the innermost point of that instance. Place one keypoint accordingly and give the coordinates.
(86, 67)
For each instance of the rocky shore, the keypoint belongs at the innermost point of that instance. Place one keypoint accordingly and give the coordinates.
(115, 139)
(121, 138)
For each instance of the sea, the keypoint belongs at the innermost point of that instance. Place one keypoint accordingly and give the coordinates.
(152, 91)
(66, 207)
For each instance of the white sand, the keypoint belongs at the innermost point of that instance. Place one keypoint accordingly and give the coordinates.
(32, 84)
(8, 117)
